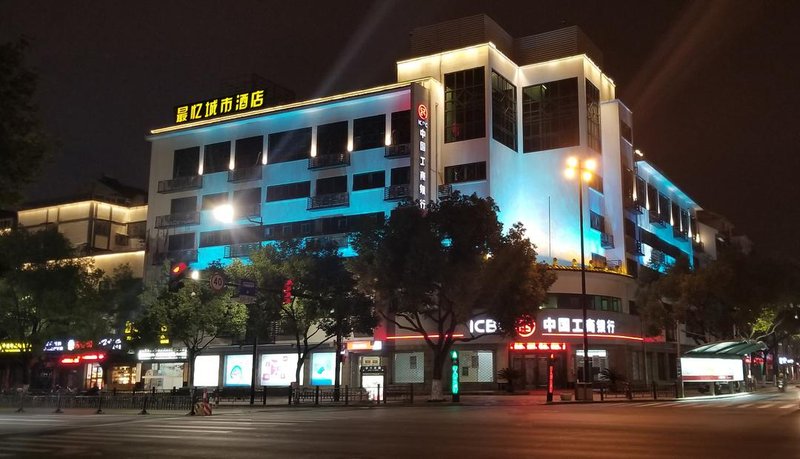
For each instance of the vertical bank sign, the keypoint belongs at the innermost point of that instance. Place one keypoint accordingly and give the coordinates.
(420, 145)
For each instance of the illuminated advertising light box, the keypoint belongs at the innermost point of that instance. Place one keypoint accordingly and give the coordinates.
(206, 371)
(278, 369)
(322, 368)
(711, 370)
(238, 369)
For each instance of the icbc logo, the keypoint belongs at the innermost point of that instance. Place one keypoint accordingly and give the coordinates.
(422, 112)
(525, 327)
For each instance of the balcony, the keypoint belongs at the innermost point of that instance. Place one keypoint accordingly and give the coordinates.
(241, 250)
(180, 184)
(633, 246)
(245, 174)
(698, 246)
(326, 161)
(679, 234)
(185, 255)
(396, 192)
(657, 257)
(181, 219)
(248, 212)
(324, 201)
(634, 206)
(607, 240)
(397, 151)
(121, 239)
(657, 219)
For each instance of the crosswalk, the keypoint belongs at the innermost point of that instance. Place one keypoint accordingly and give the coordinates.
(733, 404)
(81, 436)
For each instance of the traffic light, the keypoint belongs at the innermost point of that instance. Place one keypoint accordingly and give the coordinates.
(287, 291)
(176, 274)
(455, 376)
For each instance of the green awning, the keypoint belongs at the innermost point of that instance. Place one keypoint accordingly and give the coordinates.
(727, 349)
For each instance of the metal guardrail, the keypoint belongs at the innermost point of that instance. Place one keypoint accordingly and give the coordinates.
(105, 400)
(643, 391)
(329, 200)
(393, 192)
(245, 174)
(316, 395)
(180, 184)
(179, 219)
(395, 151)
(333, 160)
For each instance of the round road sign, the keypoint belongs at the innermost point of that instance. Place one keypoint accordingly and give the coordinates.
(217, 282)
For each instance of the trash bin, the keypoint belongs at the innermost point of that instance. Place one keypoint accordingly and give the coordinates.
(583, 391)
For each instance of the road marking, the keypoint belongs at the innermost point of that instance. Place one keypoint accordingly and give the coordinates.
(746, 405)
(24, 449)
(791, 405)
(766, 405)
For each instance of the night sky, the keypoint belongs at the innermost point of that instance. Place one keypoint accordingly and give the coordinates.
(713, 85)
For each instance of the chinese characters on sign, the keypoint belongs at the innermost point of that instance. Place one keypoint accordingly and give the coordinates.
(219, 107)
(569, 325)
(422, 125)
(7, 347)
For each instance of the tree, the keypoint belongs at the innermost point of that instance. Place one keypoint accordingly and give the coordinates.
(44, 291)
(23, 145)
(195, 316)
(324, 304)
(431, 270)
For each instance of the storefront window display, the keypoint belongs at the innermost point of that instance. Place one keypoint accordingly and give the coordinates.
(322, 368)
(278, 369)
(164, 376)
(238, 370)
(94, 376)
(124, 375)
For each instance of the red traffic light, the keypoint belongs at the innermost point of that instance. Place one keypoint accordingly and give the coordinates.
(178, 269)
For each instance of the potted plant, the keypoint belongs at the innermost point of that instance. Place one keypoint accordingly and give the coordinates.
(510, 375)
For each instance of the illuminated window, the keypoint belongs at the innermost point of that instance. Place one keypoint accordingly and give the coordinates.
(216, 157)
(593, 116)
(504, 111)
(186, 162)
(369, 132)
(464, 110)
(465, 173)
(289, 146)
(550, 115)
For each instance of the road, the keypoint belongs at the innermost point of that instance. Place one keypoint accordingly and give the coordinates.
(755, 426)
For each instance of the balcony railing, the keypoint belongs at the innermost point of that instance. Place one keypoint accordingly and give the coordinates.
(181, 219)
(679, 234)
(395, 192)
(323, 201)
(607, 240)
(248, 211)
(185, 255)
(657, 219)
(397, 151)
(180, 184)
(121, 239)
(634, 206)
(245, 174)
(633, 246)
(657, 257)
(325, 161)
(340, 241)
(241, 250)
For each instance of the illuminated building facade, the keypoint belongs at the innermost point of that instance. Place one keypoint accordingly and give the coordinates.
(475, 111)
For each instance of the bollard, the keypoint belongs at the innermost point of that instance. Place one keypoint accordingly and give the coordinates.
(99, 404)
(263, 396)
(602, 393)
(346, 395)
(144, 405)
(290, 395)
(58, 404)
(676, 390)
(655, 392)
(21, 408)
(378, 396)
(628, 391)
(411, 392)
(316, 395)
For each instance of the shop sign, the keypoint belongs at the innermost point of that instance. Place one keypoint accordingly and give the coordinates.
(482, 326)
(13, 347)
(373, 370)
(213, 108)
(570, 325)
(83, 357)
(370, 361)
(115, 344)
(785, 360)
(711, 369)
(364, 345)
(67, 345)
(162, 354)
(538, 346)
(420, 145)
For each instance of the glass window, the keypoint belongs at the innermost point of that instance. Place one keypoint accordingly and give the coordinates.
(288, 191)
(102, 228)
(137, 229)
(504, 111)
(183, 241)
(597, 221)
(183, 205)
(593, 116)
(550, 115)
(369, 132)
(369, 180)
(464, 116)
(289, 145)
(477, 366)
(217, 157)
(210, 201)
(465, 173)
(186, 162)
(625, 131)
(248, 152)
(401, 175)
(332, 185)
(401, 127)
(409, 367)
(332, 138)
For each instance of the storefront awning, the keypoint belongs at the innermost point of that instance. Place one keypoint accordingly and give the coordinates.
(727, 349)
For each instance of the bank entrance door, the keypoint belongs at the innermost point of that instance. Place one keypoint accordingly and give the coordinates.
(531, 359)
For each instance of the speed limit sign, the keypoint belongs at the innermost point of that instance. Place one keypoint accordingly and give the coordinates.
(217, 282)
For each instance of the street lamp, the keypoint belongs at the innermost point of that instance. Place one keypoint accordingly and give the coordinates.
(583, 171)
